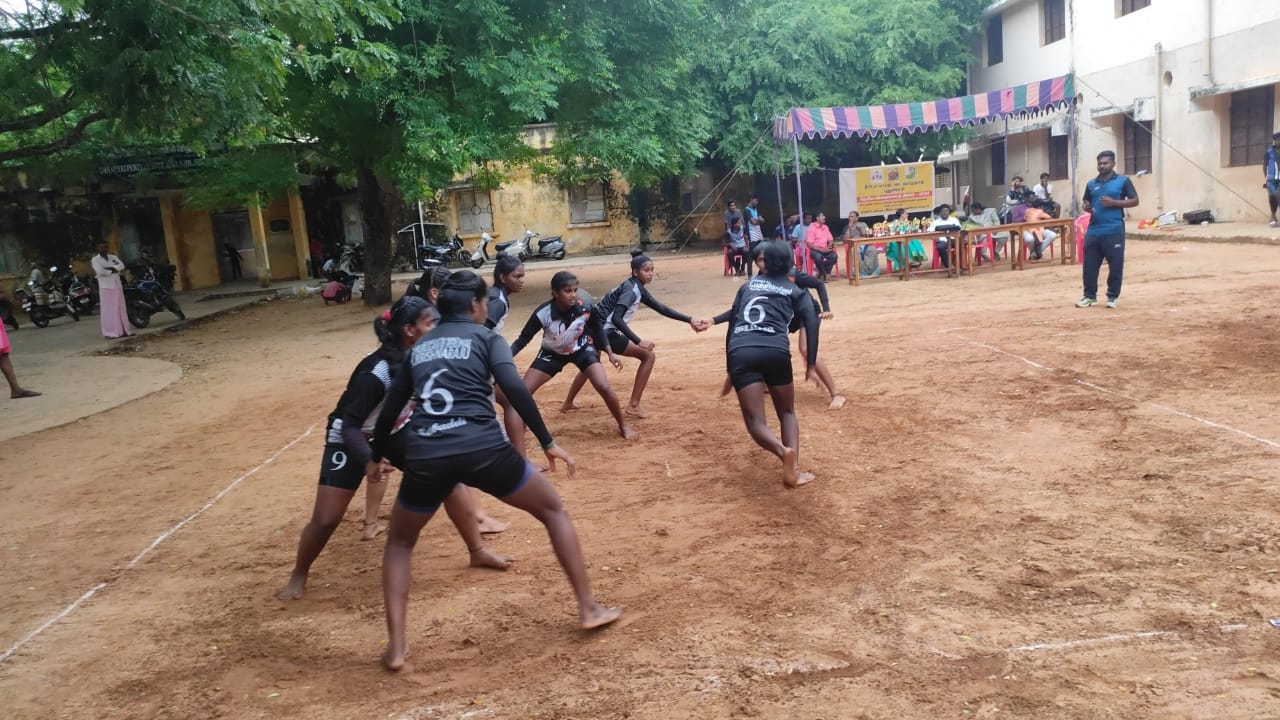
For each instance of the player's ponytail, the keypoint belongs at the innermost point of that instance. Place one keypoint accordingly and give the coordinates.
(390, 325)
(459, 291)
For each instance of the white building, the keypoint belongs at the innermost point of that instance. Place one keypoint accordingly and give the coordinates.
(1201, 75)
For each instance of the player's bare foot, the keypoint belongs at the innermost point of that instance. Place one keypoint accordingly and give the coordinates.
(837, 402)
(803, 478)
(485, 558)
(393, 659)
(636, 412)
(598, 616)
(569, 406)
(790, 468)
(295, 589)
(627, 433)
(372, 529)
(491, 525)
(24, 394)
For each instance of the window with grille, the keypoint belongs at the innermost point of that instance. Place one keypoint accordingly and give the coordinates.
(1055, 20)
(1128, 6)
(1252, 116)
(1059, 163)
(997, 163)
(995, 40)
(1137, 145)
(587, 203)
(475, 213)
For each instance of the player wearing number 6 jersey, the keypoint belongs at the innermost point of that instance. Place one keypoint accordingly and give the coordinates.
(759, 354)
(453, 437)
(346, 451)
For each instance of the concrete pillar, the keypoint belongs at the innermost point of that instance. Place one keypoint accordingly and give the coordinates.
(259, 230)
(301, 240)
(173, 238)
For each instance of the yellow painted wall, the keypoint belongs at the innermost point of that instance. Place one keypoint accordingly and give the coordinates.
(280, 245)
(199, 253)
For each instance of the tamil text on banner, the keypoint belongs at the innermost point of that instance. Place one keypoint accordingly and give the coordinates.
(882, 189)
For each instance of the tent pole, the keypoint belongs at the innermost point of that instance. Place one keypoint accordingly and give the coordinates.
(795, 147)
(777, 176)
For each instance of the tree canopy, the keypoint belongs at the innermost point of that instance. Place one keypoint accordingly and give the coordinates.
(410, 95)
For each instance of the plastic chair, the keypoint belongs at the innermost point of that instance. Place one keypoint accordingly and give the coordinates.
(1081, 228)
(989, 244)
(728, 262)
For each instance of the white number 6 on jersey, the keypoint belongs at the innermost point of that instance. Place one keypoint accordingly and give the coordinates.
(429, 393)
(753, 313)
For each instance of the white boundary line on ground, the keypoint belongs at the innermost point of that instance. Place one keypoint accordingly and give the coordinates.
(1174, 411)
(146, 551)
(1096, 641)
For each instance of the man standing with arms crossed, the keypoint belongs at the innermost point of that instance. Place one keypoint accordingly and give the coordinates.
(1106, 196)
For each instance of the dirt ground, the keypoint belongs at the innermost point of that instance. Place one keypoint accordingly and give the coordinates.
(1026, 510)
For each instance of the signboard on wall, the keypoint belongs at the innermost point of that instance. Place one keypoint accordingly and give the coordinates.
(882, 189)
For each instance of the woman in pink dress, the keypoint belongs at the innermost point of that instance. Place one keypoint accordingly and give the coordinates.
(115, 321)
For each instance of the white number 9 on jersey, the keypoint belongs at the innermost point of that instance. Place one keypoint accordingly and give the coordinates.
(753, 312)
(430, 393)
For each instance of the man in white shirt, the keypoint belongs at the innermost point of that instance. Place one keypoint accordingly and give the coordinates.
(943, 222)
(115, 319)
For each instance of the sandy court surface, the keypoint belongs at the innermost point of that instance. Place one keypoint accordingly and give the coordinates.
(1026, 510)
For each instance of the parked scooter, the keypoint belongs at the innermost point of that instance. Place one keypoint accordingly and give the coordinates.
(352, 259)
(480, 255)
(147, 297)
(524, 248)
(44, 301)
(75, 291)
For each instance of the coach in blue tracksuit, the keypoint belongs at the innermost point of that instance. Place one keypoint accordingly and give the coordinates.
(1106, 196)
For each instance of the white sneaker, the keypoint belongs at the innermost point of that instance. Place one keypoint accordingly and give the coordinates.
(1086, 302)
(1113, 303)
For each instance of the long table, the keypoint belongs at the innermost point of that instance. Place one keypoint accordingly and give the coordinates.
(960, 253)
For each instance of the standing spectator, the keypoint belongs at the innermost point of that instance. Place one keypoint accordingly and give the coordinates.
(1044, 188)
(1271, 167)
(821, 247)
(755, 231)
(731, 213)
(233, 257)
(115, 320)
(943, 222)
(6, 365)
(1106, 197)
(317, 259)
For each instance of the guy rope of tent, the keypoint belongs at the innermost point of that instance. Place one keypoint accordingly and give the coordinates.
(872, 120)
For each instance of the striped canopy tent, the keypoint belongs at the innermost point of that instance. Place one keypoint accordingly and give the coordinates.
(872, 120)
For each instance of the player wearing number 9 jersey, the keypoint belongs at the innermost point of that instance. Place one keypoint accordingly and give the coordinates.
(453, 437)
(346, 452)
(758, 354)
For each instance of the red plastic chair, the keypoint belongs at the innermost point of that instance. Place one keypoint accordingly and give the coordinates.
(728, 262)
(989, 244)
(1082, 229)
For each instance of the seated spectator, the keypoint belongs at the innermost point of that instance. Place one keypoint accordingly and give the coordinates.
(1044, 191)
(855, 228)
(821, 247)
(943, 222)
(783, 231)
(868, 258)
(1039, 239)
(980, 216)
(1017, 195)
(739, 254)
(798, 232)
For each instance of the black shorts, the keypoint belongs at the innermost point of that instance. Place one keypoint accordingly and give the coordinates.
(617, 341)
(427, 483)
(339, 470)
(750, 365)
(552, 363)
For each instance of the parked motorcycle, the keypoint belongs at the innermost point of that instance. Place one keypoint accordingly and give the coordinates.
(524, 248)
(44, 301)
(147, 297)
(352, 258)
(451, 252)
(75, 291)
